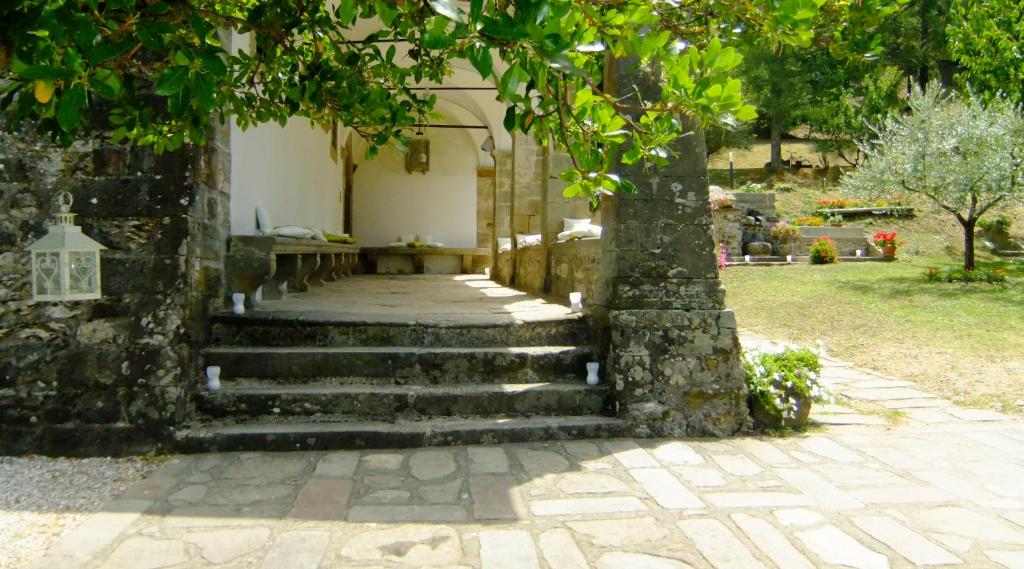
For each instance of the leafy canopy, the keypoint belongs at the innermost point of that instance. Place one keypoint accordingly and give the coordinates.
(161, 69)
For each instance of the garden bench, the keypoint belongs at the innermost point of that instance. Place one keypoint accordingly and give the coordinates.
(283, 264)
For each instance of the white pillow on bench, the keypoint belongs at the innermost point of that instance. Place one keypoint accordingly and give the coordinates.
(264, 226)
(528, 240)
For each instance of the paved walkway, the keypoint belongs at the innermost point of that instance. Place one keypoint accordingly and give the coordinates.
(922, 484)
(461, 299)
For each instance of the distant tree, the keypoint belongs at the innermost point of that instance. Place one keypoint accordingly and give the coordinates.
(987, 39)
(845, 111)
(961, 154)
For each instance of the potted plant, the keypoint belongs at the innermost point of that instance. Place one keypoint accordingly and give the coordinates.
(823, 251)
(835, 220)
(887, 242)
(784, 235)
(782, 385)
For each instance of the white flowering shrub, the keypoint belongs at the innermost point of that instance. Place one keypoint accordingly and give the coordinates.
(783, 384)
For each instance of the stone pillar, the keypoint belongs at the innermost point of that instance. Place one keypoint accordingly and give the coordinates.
(484, 206)
(671, 349)
(501, 263)
(529, 182)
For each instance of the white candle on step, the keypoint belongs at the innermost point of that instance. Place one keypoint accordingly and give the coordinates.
(576, 301)
(746, 258)
(860, 252)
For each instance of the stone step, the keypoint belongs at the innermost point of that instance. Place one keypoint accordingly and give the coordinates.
(276, 330)
(358, 434)
(523, 364)
(387, 401)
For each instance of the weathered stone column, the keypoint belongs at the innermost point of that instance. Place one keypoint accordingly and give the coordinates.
(671, 349)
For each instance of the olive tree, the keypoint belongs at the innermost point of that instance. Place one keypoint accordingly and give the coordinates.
(964, 156)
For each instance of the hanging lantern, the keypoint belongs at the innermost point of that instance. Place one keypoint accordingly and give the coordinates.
(417, 159)
(65, 262)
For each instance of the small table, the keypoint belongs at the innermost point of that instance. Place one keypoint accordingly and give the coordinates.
(424, 260)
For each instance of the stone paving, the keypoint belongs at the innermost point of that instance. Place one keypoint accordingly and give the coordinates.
(929, 484)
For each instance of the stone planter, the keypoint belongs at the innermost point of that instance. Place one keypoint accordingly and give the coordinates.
(785, 247)
(768, 418)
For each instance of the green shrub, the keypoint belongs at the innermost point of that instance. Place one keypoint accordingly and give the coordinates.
(753, 187)
(959, 275)
(782, 385)
(784, 187)
(823, 251)
(999, 224)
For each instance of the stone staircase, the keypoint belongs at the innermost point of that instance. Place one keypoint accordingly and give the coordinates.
(294, 384)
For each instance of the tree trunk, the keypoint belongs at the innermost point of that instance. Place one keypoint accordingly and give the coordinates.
(924, 47)
(968, 226)
(776, 138)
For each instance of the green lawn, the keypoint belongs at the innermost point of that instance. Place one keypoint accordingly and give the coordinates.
(965, 341)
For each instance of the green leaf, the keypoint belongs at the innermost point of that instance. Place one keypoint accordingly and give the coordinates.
(69, 109)
(172, 80)
(45, 72)
(480, 58)
(213, 64)
(105, 84)
(510, 119)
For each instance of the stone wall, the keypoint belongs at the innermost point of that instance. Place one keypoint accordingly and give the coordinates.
(575, 266)
(113, 375)
(729, 230)
(530, 269)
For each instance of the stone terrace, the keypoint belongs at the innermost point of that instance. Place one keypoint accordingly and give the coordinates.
(943, 488)
(402, 299)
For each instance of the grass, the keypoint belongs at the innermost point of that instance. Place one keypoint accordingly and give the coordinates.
(963, 341)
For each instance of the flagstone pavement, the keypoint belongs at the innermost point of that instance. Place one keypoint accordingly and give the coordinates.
(896, 478)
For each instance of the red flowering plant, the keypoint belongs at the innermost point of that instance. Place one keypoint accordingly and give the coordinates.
(883, 239)
(823, 251)
(833, 203)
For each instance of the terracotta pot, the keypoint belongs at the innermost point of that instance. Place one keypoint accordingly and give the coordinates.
(889, 251)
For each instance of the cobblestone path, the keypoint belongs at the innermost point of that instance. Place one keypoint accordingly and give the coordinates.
(924, 483)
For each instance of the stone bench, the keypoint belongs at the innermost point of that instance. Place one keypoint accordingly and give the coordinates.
(284, 264)
(425, 260)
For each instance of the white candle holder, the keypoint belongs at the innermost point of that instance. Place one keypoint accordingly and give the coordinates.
(238, 298)
(789, 258)
(213, 378)
(859, 253)
(487, 272)
(576, 301)
(592, 368)
(746, 258)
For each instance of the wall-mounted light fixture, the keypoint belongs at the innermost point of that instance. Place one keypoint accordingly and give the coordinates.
(65, 262)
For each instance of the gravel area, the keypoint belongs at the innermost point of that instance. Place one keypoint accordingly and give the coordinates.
(41, 498)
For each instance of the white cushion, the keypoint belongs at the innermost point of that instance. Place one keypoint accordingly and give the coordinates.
(264, 226)
(528, 240)
(569, 224)
(292, 231)
(504, 244)
(318, 234)
(581, 232)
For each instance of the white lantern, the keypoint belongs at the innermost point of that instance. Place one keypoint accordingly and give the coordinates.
(417, 159)
(65, 262)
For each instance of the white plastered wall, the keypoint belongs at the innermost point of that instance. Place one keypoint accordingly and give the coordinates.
(389, 202)
(289, 171)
